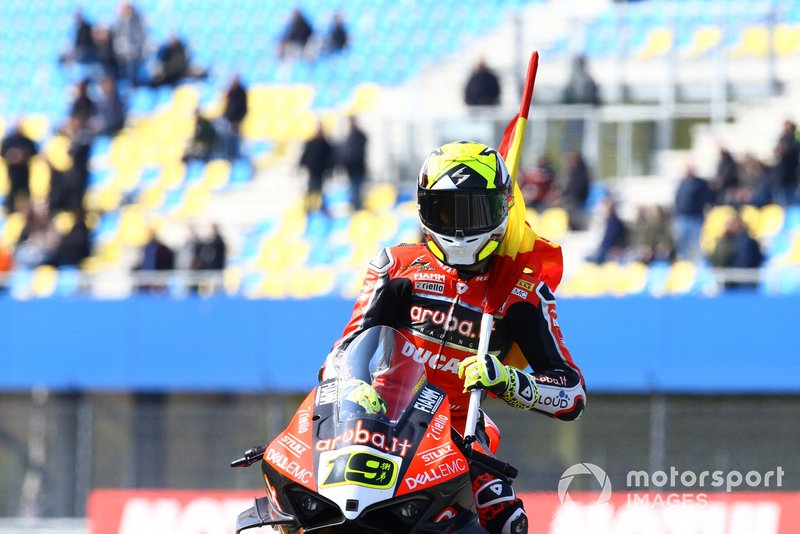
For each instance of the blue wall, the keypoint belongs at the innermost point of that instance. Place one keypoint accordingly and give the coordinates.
(745, 343)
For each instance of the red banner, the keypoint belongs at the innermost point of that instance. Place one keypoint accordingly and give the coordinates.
(215, 512)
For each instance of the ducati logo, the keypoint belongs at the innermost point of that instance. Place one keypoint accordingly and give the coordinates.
(461, 287)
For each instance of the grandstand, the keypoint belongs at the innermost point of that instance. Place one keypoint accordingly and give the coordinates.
(168, 375)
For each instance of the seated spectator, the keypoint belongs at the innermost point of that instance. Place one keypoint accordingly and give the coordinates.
(726, 180)
(203, 141)
(483, 87)
(17, 149)
(337, 37)
(233, 115)
(39, 238)
(755, 176)
(736, 249)
(82, 104)
(692, 198)
(111, 112)
(537, 183)
(296, 35)
(68, 189)
(75, 245)
(104, 50)
(83, 47)
(129, 42)
(651, 238)
(173, 64)
(209, 254)
(576, 190)
(612, 245)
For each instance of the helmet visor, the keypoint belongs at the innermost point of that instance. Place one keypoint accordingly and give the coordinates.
(462, 213)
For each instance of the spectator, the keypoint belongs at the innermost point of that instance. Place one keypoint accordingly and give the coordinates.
(581, 87)
(726, 181)
(317, 158)
(129, 41)
(353, 156)
(156, 256)
(75, 245)
(295, 36)
(83, 47)
(483, 87)
(736, 249)
(209, 255)
(203, 141)
(651, 238)
(576, 190)
(104, 48)
(17, 150)
(39, 237)
(755, 176)
(612, 246)
(787, 154)
(173, 64)
(82, 104)
(233, 115)
(536, 184)
(111, 112)
(691, 199)
(337, 37)
(68, 189)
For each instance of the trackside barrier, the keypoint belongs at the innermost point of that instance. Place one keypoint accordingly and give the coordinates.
(112, 511)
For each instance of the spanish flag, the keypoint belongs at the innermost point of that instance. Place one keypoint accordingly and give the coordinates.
(521, 250)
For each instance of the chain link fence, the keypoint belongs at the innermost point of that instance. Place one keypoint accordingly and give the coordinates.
(54, 448)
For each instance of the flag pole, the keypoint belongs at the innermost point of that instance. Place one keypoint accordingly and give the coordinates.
(512, 159)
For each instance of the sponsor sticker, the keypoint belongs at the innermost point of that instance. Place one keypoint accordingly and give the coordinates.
(428, 400)
(326, 393)
(444, 470)
(521, 293)
(433, 287)
(524, 284)
(368, 469)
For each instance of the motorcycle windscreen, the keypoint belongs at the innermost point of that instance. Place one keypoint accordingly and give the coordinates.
(378, 376)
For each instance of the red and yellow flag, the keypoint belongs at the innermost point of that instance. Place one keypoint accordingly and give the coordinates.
(521, 248)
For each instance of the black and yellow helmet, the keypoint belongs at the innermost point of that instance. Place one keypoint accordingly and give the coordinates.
(462, 197)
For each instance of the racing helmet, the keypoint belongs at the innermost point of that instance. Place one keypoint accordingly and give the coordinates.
(462, 197)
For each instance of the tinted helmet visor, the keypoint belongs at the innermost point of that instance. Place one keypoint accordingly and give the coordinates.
(462, 213)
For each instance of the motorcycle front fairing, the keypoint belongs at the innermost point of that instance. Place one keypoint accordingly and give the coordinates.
(393, 471)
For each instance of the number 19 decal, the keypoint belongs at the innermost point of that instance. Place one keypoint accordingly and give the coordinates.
(361, 468)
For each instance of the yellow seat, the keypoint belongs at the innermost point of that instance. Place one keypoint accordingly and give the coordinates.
(714, 226)
(307, 283)
(57, 153)
(786, 39)
(381, 198)
(134, 230)
(750, 216)
(754, 43)
(278, 253)
(64, 221)
(273, 284)
(39, 178)
(172, 175)
(292, 224)
(659, 43)
(35, 126)
(793, 258)
(770, 222)
(12, 229)
(365, 98)
(587, 281)
(195, 202)
(681, 277)
(153, 197)
(5, 185)
(216, 174)
(185, 100)
(127, 179)
(624, 280)
(553, 223)
(232, 280)
(44, 280)
(705, 39)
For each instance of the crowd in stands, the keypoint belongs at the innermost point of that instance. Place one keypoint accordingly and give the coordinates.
(301, 40)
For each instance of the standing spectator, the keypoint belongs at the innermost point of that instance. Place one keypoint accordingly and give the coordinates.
(233, 115)
(576, 190)
(83, 47)
(129, 40)
(755, 176)
(651, 238)
(317, 158)
(110, 116)
(68, 189)
(337, 37)
(39, 237)
(736, 249)
(203, 141)
(581, 87)
(82, 104)
(75, 245)
(156, 256)
(612, 245)
(353, 156)
(104, 48)
(537, 183)
(17, 149)
(209, 255)
(295, 36)
(787, 154)
(727, 177)
(483, 87)
(691, 199)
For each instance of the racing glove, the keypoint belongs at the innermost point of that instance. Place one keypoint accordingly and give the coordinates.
(364, 395)
(515, 387)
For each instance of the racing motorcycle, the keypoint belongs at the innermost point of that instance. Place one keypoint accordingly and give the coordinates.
(353, 461)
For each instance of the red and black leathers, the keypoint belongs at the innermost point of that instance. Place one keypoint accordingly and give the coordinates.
(407, 288)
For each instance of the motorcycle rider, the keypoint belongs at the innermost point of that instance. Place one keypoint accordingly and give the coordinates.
(434, 291)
